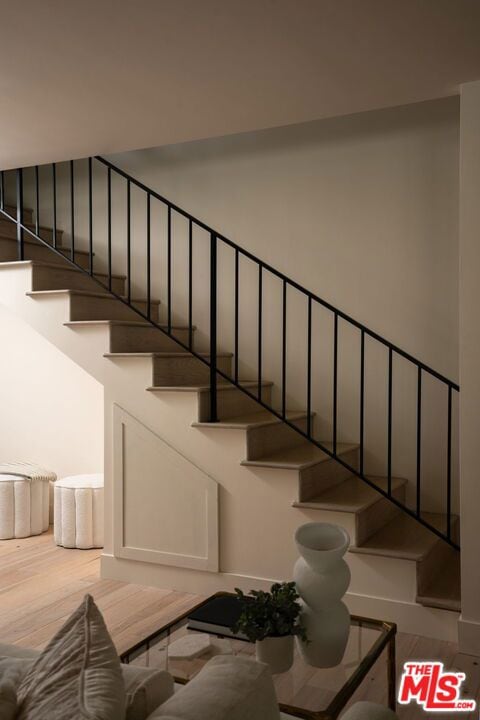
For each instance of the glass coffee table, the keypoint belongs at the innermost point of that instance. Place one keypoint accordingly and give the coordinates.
(303, 691)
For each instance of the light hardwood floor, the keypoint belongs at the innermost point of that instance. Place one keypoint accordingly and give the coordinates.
(41, 584)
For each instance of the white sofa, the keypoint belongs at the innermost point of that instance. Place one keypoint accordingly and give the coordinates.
(228, 688)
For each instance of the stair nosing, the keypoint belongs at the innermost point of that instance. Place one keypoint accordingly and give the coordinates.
(133, 323)
(61, 268)
(160, 354)
(232, 425)
(433, 602)
(85, 293)
(221, 387)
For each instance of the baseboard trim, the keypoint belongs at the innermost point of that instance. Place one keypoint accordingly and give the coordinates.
(468, 636)
(409, 617)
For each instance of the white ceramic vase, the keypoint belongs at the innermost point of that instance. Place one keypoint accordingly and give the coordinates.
(322, 577)
(276, 652)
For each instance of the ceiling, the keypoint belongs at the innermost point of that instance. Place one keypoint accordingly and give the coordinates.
(79, 77)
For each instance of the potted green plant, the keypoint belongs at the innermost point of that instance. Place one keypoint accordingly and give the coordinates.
(271, 620)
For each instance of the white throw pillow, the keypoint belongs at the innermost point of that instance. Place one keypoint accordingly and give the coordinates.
(78, 675)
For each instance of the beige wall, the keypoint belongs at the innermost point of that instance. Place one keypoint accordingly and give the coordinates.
(51, 409)
(363, 211)
(469, 628)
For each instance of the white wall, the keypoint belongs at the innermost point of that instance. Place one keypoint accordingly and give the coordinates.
(51, 410)
(469, 627)
(362, 210)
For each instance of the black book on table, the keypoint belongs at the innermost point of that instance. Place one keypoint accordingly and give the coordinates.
(217, 616)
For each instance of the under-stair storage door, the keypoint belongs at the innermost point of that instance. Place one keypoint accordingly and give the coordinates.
(165, 507)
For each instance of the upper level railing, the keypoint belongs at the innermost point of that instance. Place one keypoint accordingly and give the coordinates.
(80, 193)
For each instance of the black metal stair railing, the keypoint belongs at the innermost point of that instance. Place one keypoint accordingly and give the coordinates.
(216, 240)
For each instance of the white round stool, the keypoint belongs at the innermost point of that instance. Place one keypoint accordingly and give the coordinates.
(24, 504)
(78, 511)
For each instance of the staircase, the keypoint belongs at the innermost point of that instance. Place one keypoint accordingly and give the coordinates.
(399, 553)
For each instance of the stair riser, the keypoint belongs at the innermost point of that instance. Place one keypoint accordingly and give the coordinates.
(231, 403)
(184, 371)
(36, 251)
(376, 516)
(99, 308)
(314, 480)
(27, 214)
(9, 229)
(129, 338)
(59, 279)
(267, 439)
(429, 566)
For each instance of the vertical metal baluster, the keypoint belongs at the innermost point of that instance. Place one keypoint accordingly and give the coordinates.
(190, 283)
(309, 367)
(335, 380)
(20, 214)
(72, 209)
(2, 190)
(389, 428)
(449, 465)
(129, 242)
(213, 328)
(54, 191)
(284, 350)
(260, 319)
(236, 314)
(37, 202)
(169, 270)
(90, 217)
(109, 226)
(362, 401)
(419, 436)
(149, 279)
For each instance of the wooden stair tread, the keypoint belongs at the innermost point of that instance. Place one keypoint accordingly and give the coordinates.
(222, 386)
(352, 495)
(254, 419)
(63, 249)
(124, 323)
(404, 537)
(70, 268)
(85, 293)
(299, 457)
(444, 590)
(160, 354)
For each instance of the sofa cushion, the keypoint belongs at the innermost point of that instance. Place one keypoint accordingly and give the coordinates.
(12, 671)
(77, 675)
(8, 699)
(146, 688)
(227, 687)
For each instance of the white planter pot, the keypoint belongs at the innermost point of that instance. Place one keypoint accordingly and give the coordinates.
(322, 578)
(276, 652)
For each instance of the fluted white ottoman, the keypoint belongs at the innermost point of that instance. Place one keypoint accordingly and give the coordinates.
(78, 511)
(24, 504)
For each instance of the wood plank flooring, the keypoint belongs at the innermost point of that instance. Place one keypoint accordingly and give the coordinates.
(41, 584)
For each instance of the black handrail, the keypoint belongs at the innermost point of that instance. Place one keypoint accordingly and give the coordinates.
(212, 360)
